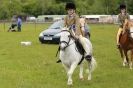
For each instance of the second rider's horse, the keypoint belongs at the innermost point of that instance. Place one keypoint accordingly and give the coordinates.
(126, 43)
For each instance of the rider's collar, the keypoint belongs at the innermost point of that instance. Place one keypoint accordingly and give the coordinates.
(123, 14)
(71, 16)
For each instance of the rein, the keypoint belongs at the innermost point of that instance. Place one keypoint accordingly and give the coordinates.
(64, 48)
(67, 43)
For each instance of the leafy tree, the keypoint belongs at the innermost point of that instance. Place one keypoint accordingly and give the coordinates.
(8, 8)
(130, 6)
(64, 1)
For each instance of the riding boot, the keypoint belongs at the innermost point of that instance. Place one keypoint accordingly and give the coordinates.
(88, 53)
(118, 38)
(58, 61)
(118, 44)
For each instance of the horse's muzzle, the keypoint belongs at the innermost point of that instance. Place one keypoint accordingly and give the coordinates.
(62, 48)
(63, 45)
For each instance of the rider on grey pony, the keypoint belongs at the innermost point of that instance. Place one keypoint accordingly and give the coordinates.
(72, 21)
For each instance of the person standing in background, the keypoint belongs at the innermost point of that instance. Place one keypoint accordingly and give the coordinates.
(19, 23)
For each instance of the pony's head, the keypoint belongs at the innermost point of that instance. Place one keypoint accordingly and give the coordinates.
(131, 32)
(128, 26)
(64, 38)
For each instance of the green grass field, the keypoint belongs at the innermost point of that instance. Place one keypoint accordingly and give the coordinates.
(35, 66)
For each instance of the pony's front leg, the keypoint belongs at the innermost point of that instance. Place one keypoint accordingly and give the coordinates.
(70, 72)
(123, 57)
(131, 61)
(66, 67)
(124, 61)
(81, 72)
(92, 65)
(130, 65)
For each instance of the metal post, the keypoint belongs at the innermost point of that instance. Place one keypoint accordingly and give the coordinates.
(35, 25)
(4, 25)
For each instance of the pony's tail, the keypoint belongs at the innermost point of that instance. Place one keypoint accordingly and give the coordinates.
(93, 64)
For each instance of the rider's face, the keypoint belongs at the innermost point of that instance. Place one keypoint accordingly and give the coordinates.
(70, 11)
(123, 10)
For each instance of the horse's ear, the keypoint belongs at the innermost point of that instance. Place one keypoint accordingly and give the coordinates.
(64, 28)
(67, 29)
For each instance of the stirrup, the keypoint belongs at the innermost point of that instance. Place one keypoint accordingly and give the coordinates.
(88, 57)
(58, 61)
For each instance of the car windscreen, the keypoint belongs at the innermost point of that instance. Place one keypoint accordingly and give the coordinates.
(57, 25)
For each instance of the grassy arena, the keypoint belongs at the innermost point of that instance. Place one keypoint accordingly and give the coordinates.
(34, 66)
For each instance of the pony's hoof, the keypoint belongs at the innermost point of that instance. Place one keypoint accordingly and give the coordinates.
(81, 78)
(130, 68)
(69, 83)
(70, 86)
(124, 64)
(89, 78)
(118, 46)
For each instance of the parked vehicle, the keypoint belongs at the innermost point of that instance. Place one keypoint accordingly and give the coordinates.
(50, 35)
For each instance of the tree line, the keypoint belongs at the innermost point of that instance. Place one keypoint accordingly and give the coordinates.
(9, 8)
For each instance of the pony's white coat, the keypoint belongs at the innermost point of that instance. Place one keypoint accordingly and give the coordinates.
(70, 57)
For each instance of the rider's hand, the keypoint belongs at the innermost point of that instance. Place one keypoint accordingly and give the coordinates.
(76, 37)
(123, 31)
(82, 21)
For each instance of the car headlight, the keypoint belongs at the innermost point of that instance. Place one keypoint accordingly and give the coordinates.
(41, 34)
(57, 35)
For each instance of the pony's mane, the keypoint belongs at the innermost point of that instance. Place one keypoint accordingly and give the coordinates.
(65, 29)
(127, 24)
